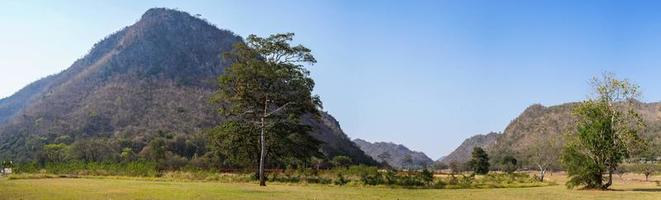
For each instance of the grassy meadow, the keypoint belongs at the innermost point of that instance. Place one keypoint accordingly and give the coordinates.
(629, 186)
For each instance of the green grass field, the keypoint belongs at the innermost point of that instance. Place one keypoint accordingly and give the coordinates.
(103, 188)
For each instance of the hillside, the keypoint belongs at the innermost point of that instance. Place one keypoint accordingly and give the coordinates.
(396, 155)
(463, 152)
(538, 120)
(155, 76)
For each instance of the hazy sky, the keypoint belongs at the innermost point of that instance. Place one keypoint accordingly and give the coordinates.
(426, 74)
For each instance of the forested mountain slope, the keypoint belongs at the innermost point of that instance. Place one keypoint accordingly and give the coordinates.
(152, 78)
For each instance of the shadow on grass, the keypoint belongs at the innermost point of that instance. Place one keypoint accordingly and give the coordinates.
(647, 189)
(634, 189)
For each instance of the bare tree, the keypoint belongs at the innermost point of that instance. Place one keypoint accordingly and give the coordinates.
(544, 153)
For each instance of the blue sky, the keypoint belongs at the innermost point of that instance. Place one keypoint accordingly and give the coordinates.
(426, 74)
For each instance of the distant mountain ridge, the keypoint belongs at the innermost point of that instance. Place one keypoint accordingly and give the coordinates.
(154, 76)
(396, 155)
(538, 120)
(463, 153)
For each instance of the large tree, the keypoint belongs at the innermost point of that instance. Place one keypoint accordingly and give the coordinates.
(606, 133)
(263, 96)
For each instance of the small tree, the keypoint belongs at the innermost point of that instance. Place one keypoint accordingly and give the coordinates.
(480, 161)
(127, 154)
(316, 163)
(427, 176)
(646, 168)
(509, 163)
(606, 133)
(455, 167)
(543, 153)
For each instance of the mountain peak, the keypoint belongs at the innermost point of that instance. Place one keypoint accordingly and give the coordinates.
(163, 14)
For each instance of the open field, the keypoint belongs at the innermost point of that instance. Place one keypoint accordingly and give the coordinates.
(100, 188)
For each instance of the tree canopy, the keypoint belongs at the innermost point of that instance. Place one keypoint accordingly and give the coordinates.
(480, 161)
(266, 88)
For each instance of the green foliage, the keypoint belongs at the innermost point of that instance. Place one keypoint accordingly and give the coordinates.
(606, 133)
(157, 149)
(580, 168)
(56, 152)
(341, 161)
(506, 180)
(144, 169)
(480, 161)
(509, 164)
(237, 142)
(466, 181)
(93, 150)
(358, 174)
(427, 176)
(340, 180)
(127, 154)
(7, 164)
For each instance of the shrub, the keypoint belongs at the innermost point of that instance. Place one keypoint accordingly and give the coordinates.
(391, 177)
(317, 179)
(426, 176)
(146, 169)
(453, 180)
(410, 181)
(372, 179)
(466, 181)
(440, 184)
(341, 161)
(340, 180)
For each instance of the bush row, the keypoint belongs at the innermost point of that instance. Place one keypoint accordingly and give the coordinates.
(350, 175)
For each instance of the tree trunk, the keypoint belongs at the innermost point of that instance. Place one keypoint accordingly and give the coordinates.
(610, 179)
(541, 173)
(262, 180)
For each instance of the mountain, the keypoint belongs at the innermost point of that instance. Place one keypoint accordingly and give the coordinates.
(463, 152)
(396, 155)
(440, 159)
(539, 121)
(336, 142)
(155, 76)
